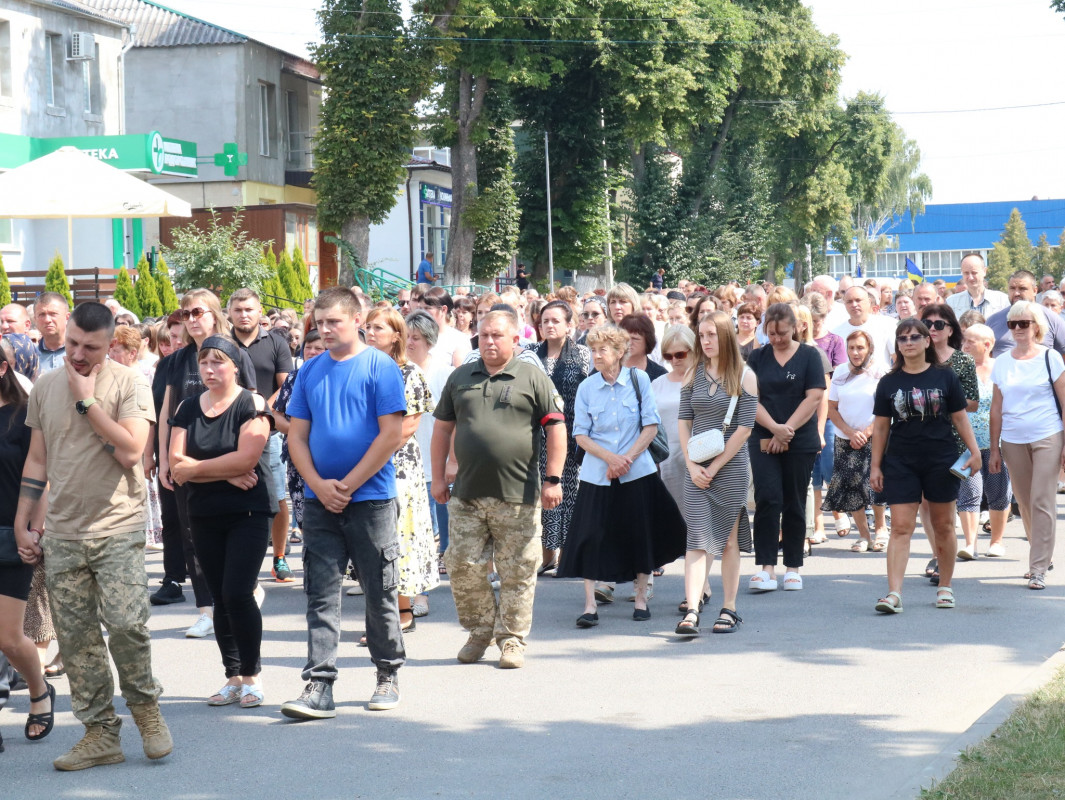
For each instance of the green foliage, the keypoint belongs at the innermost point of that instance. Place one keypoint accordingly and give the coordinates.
(5, 284)
(287, 279)
(302, 279)
(1012, 252)
(56, 279)
(222, 258)
(373, 74)
(163, 287)
(146, 292)
(124, 292)
(494, 213)
(271, 289)
(1043, 258)
(1057, 257)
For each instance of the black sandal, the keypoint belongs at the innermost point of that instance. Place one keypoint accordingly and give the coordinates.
(689, 626)
(729, 618)
(683, 607)
(47, 720)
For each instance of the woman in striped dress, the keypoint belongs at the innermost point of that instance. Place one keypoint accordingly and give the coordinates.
(715, 493)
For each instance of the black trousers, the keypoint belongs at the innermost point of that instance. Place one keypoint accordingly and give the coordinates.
(780, 482)
(231, 548)
(188, 550)
(173, 552)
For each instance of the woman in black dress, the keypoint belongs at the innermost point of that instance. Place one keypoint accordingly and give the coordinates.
(567, 364)
(216, 441)
(15, 577)
(791, 383)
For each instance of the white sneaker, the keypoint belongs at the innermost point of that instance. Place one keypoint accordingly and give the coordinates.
(355, 590)
(996, 550)
(204, 626)
(967, 552)
(153, 547)
(260, 595)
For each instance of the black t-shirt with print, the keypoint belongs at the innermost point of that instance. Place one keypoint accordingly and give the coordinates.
(781, 389)
(920, 406)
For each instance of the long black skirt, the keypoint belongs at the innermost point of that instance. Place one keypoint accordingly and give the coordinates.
(622, 530)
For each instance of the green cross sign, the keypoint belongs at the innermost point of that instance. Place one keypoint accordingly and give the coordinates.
(230, 159)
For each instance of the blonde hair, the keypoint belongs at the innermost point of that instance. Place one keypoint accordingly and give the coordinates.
(1038, 315)
(612, 336)
(730, 361)
(622, 291)
(395, 321)
(781, 294)
(209, 299)
(803, 317)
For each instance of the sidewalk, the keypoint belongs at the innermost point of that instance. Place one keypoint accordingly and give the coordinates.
(816, 696)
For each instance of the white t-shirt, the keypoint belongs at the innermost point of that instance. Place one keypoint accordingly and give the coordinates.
(854, 393)
(1029, 413)
(449, 341)
(436, 376)
(882, 329)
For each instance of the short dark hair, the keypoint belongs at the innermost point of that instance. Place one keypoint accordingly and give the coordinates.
(438, 297)
(945, 313)
(92, 317)
(338, 296)
(780, 312)
(641, 324)
(241, 295)
(561, 305)
(1024, 273)
(48, 298)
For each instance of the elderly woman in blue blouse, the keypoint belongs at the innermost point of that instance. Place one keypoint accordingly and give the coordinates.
(625, 523)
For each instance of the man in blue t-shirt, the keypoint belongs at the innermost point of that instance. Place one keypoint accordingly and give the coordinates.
(425, 270)
(347, 412)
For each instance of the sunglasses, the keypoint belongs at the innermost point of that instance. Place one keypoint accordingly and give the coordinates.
(913, 337)
(1023, 324)
(936, 324)
(192, 313)
(403, 303)
(590, 315)
(675, 356)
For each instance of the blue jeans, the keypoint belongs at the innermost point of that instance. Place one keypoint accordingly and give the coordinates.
(366, 534)
(441, 520)
(826, 459)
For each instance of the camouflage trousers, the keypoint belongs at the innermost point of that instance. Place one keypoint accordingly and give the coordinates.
(481, 531)
(93, 582)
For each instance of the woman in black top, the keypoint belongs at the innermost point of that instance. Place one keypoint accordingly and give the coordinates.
(791, 382)
(216, 442)
(641, 343)
(15, 577)
(916, 408)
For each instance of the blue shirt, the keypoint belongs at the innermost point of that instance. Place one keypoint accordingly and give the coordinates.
(342, 400)
(607, 414)
(425, 271)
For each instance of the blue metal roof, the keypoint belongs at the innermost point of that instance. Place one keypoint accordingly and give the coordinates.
(976, 226)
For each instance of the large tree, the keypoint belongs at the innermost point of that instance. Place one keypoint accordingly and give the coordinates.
(1012, 252)
(375, 67)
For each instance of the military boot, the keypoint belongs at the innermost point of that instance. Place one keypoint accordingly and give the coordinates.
(154, 732)
(100, 745)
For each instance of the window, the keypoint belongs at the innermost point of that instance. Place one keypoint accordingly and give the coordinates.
(295, 135)
(5, 59)
(53, 78)
(436, 221)
(91, 74)
(6, 236)
(301, 230)
(267, 114)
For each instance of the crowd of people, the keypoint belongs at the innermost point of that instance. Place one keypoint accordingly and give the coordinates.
(495, 439)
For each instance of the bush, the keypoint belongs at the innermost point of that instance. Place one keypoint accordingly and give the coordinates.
(164, 288)
(56, 279)
(5, 284)
(222, 258)
(124, 292)
(146, 292)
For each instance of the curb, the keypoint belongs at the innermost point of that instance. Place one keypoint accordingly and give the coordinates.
(944, 762)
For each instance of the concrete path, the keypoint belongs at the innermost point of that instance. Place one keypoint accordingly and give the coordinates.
(816, 696)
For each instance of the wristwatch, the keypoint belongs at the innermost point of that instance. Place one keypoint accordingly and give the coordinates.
(553, 479)
(82, 406)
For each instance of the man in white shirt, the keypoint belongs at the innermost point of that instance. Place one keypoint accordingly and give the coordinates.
(859, 303)
(975, 296)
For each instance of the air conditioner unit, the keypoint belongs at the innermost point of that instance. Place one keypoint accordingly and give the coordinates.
(82, 46)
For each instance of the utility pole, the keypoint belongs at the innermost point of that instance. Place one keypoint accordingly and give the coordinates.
(550, 241)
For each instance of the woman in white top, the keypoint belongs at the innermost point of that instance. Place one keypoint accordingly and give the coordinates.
(678, 347)
(1026, 415)
(850, 408)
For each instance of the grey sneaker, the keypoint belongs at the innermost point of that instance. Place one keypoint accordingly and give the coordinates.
(386, 695)
(316, 702)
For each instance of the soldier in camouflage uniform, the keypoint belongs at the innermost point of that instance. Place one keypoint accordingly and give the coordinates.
(90, 424)
(496, 407)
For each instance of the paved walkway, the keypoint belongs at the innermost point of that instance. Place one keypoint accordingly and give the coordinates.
(816, 696)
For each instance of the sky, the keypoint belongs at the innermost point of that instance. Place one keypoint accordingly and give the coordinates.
(937, 63)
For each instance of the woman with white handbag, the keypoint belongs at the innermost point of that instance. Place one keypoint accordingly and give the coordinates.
(718, 405)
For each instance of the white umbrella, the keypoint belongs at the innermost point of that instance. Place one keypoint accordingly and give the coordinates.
(68, 184)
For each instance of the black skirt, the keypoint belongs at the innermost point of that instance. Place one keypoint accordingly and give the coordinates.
(623, 530)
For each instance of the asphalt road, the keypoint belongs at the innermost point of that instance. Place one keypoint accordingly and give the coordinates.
(816, 696)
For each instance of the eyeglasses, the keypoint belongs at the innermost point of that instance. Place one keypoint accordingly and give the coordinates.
(590, 315)
(403, 302)
(1019, 323)
(913, 337)
(936, 324)
(192, 313)
(675, 356)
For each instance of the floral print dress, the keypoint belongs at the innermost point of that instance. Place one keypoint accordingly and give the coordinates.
(418, 572)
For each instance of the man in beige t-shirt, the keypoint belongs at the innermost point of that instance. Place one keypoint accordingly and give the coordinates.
(90, 424)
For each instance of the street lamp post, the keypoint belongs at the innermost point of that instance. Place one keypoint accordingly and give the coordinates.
(550, 242)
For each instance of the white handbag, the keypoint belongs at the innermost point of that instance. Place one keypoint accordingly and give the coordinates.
(710, 444)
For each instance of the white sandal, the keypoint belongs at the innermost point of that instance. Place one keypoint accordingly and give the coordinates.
(762, 582)
(251, 696)
(792, 581)
(229, 693)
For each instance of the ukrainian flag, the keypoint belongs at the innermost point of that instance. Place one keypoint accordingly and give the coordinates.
(913, 272)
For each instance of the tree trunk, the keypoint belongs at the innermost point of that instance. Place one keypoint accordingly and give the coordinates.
(356, 232)
(461, 236)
